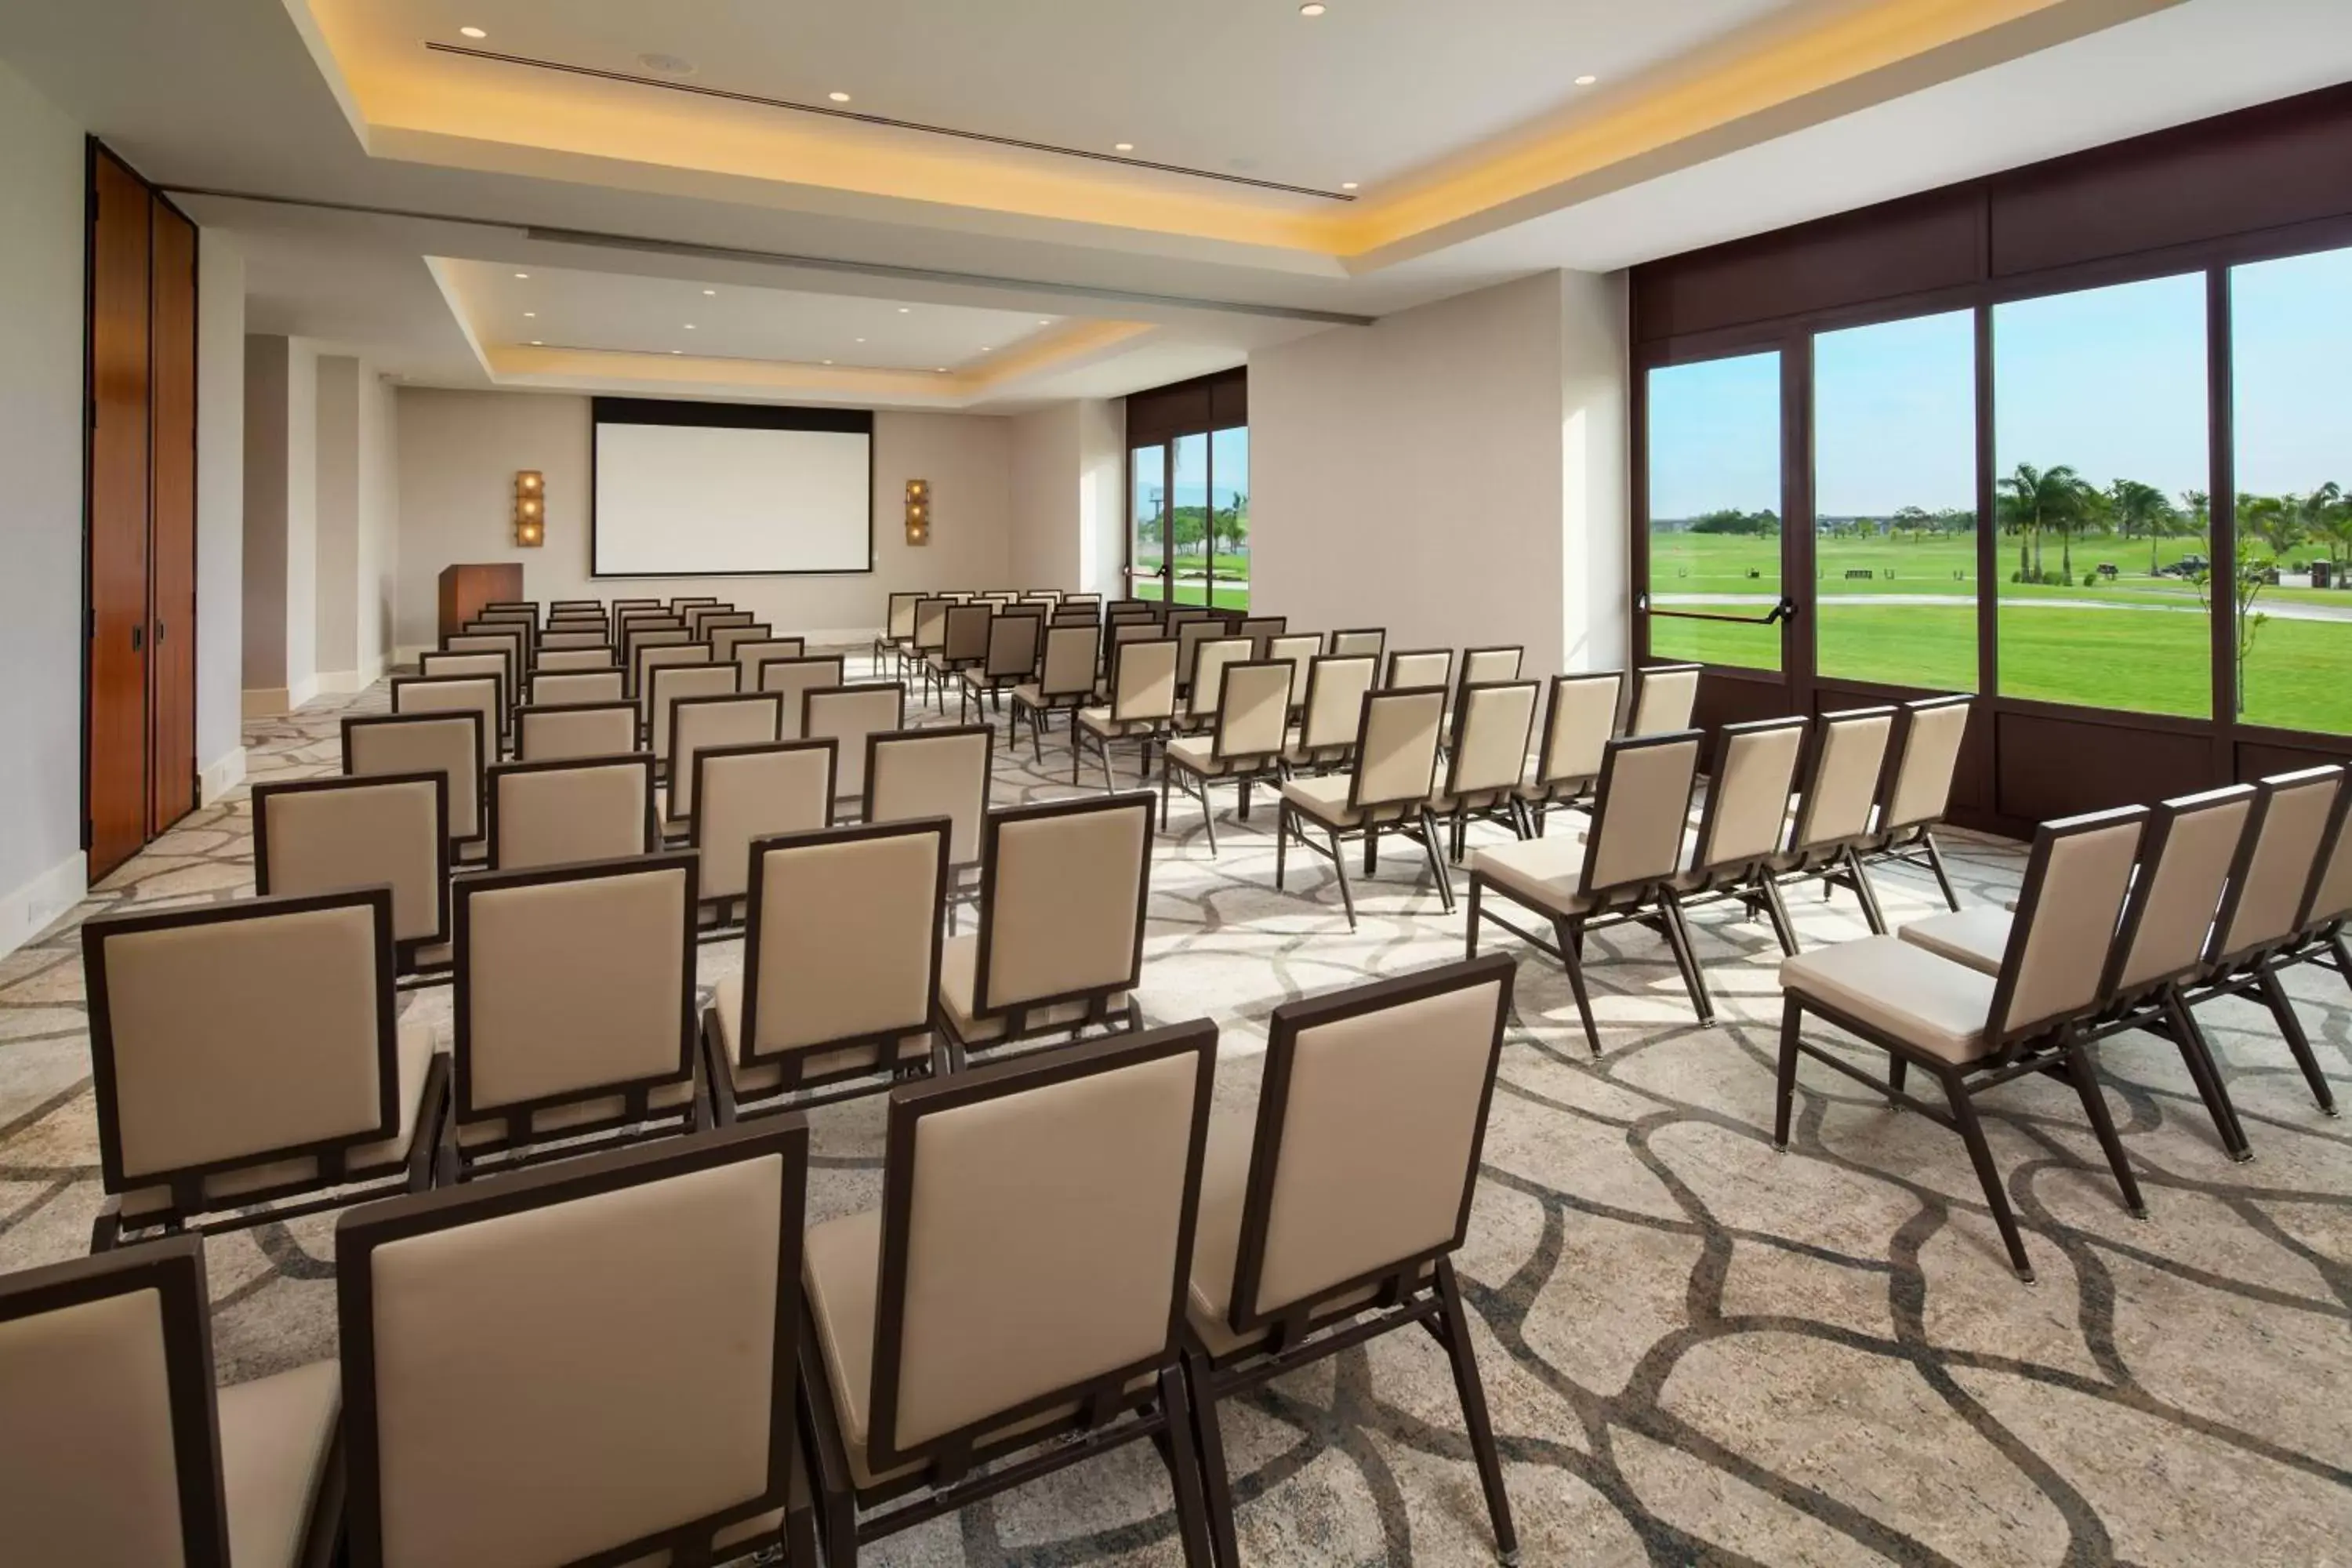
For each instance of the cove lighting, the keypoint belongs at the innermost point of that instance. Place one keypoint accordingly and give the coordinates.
(838, 97)
(473, 32)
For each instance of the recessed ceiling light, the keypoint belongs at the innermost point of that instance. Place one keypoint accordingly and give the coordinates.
(1312, 8)
(1122, 147)
(527, 315)
(904, 309)
(537, 342)
(861, 339)
(711, 290)
(1347, 185)
(838, 97)
(1045, 320)
(523, 274)
(1586, 80)
(473, 32)
(942, 370)
(689, 326)
(677, 350)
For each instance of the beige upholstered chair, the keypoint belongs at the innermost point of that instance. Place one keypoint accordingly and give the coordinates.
(912, 775)
(448, 743)
(592, 1363)
(697, 724)
(1011, 660)
(574, 1008)
(335, 835)
(707, 623)
(1262, 630)
(116, 1448)
(737, 795)
(1836, 805)
(567, 688)
(679, 603)
(1331, 711)
(725, 641)
(793, 677)
(1622, 872)
(1132, 629)
(455, 694)
(1212, 655)
(583, 649)
(1484, 665)
(642, 638)
(498, 665)
(1579, 723)
(930, 633)
(1925, 754)
(1430, 667)
(659, 656)
(247, 1052)
(1196, 629)
(1973, 1031)
(1352, 644)
(965, 647)
(1143, 706)
(848, 714)
(841, 967)
(1065, 680)
(1492, 721)
(587, 730)
(508, 640)
(898, 638)
(664, 680)
(752, 652)
(554, 813)
(1386, 792)
(999, 1299)
(1253, 724)
(1061, 894)
(2324, 932)
(1741, 827)
(1331, 1214)
(1663, 697)
(1301, 648)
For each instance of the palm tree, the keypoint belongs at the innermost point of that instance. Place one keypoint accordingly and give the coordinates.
(2142, 508)
(2034, 499)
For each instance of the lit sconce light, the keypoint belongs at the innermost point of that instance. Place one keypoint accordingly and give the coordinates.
(919, 512)
(531, 508)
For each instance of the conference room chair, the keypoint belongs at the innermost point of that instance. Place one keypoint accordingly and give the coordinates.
(1209, 660)
(1918, 790)
(1065, 683)
(1132, 612)
(697, 725)
(1176, 617)
(493, 666)
(898, 638)
(505, 642)
(1663, 697)
(1069, 615)
(448, 743)
(115, 1446)
(576, 729)
(681, 603)
(667, 686)
(1045, 599)
(707, 624)
(1330, 1212)
(794, 676)
(591, 1362)
(659, 657)
(848, 714)
(565, 606)
(1491, 726)
(753, 652)
(914, 774)
(1835, 806)
(1349, 644)
(1579, 720)
(1082, 1169)
(1060, 944)
(1301, 648)
(618, 607)
(1253, 724)
(584, 620)
(638, 641)
(930, 633)
(958, 595)
(337, 835)
(247, 1065)
(1751, 772)
(998, 596)
(554, 813)
(527, 606)
(1261, 630)
(840, 977)
(965, 647)
(738, 794)
(1481, 666)
(519, 623)
(725, 641)
(1622, 872)
(1387, 791)
(1971, 1031)
(575, 654)
(1425, 666)
(2323, 932)
(573, 1010)
(1121, 632)
(1143, 706)
(570, 688)
(2192, 843)
(1331, 712)
(483, 694)
(1189, 635)
(1011, 660)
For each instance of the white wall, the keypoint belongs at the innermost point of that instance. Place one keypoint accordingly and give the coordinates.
(41, 175)
(459, 452)
(335, 481)
(281, 523)
(1454, 473)
(220, 511)
(1045, 529)
(379, 522)
(1102, 496)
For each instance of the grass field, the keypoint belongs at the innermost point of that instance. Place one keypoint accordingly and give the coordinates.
(2094, 651)
(1232, 577)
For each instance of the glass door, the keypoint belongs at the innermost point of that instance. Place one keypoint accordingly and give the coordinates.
(1146, 521)
(1187, 520)
(1229, 542)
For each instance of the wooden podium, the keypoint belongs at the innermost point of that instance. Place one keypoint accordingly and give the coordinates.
(465, 589)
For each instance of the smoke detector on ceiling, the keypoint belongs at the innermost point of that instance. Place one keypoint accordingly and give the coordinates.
(667, 65)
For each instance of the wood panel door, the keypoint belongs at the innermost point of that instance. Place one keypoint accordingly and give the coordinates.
(171, 537)
(116, 721)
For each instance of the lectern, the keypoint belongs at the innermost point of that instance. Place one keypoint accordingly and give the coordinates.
(465, 589)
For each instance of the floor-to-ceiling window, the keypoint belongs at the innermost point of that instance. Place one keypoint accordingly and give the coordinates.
(1188, 488)
(1714, 511)
(1147, 521)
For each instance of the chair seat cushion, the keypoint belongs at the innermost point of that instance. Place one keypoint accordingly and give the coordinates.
(768, 1078)
(1325, 799)
(1198, 753)
(1928, 1003)
(1544, 874)
(1099, 721)
(1027, 695)
(1977, 937)
(274, 1436)
(958, 974)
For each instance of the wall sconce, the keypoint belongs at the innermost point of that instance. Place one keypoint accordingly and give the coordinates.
(919, 512)
(531, 508)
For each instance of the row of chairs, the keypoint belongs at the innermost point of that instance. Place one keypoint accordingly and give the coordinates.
(650, 1356)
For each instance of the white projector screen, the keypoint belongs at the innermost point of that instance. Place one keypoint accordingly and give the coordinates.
(686, 490)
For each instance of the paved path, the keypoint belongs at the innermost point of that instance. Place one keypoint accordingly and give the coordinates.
(2282, 610)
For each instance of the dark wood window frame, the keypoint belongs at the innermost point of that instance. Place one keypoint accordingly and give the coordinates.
(1201, 407)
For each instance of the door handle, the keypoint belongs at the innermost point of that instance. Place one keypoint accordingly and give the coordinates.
(138, 639)
(159, 634)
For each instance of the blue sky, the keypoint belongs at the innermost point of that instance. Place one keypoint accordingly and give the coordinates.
(2111, 381)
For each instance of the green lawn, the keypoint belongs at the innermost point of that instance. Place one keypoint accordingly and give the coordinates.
(1232, 577)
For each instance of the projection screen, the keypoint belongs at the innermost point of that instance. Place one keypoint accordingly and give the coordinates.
(699, 489)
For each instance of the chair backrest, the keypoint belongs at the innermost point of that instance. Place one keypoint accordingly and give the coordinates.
(912, 775)
(1640, 807)
(1927, 753)
(637, 639)
(2276, 864)
(842, 946)
(1371, 1120)
(706, 622)
(1179, 617)
(725, 641)
(1428, 666)
(967, 638)
(573, 982)
(1252, 709)
(651, 661)
(1076, 615)
(553, 812)
(676, 683)
(491, 666)
(1189, 635)
(483, 694)
(333, 835)
(1260, 630)
(1301, 648)
(1492, 722)
(1335, 684)
(991, 1154)
(1062, 891)
(1663, 697)
(1396, 747)
(737, 795)
(1133, 612)
(1842, 778)
(1210, 656)
(2329, 901)
(848, 714)
(753, 652)
(492, 1333)
(678, 603)
(584, 730)
(1136, 630)
(111, 1355)
(793, 677)
(1143, 679)
(527, 606)
(569, 688)
(1482, 666)
(1069, 666)
(699, 723)
(1748, 783)
(931, 623)
(507, 641)
(240, 1034)
(2056, 965)
(2192, 842)
(1348, 644)
(577, 658)
(453, 744)
(898, 624)
(1578, 725)
(1011, 647)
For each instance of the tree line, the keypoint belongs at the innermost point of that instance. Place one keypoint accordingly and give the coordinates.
(2033, 502)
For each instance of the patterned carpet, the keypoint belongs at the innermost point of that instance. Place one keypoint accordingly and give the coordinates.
(1696, 1349)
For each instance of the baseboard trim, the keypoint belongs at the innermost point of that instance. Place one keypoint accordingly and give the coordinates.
(222, 774)
(263, 702)
(300, 693)
(28, 910)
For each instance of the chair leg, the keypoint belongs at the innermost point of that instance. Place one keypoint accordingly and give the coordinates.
(1037, 718)
(1898, 1072)
(1184, 1471)
(1339, 864)
(2094, 1106)
(1792, 1020)
(1216, 1480)
(1281, 843)
(2343, 948)
(2197, 1056)
(1936, 864)
(1472, 1393)
(1570, 937)
(1865, 894)
(1972, 1130)
(1777, 911)
(1163, 791)
(1209, 818)
(2291, 1027)
(1470, 925)
(1436, 861)
(1678, 937)
(1371, 849)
